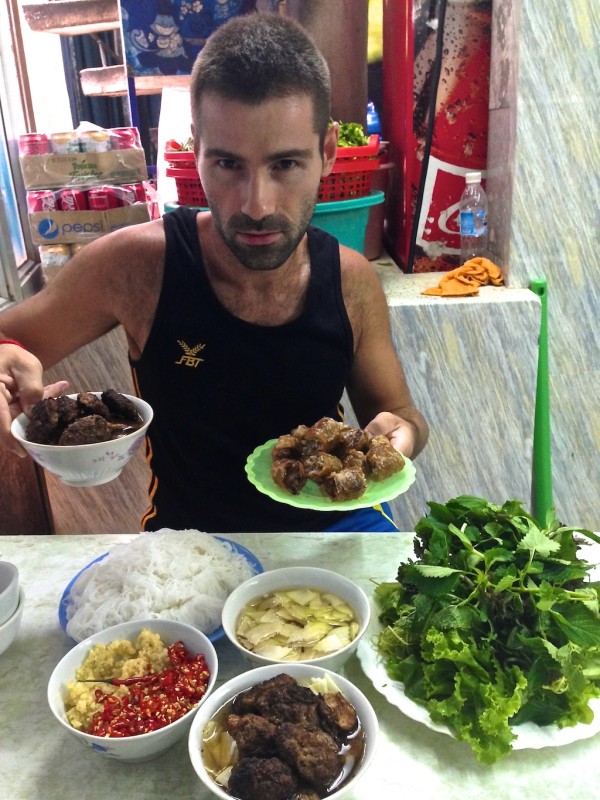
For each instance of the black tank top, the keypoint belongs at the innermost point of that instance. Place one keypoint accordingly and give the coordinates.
(220, 386)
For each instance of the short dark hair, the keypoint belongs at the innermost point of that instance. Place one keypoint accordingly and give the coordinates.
(259, 56)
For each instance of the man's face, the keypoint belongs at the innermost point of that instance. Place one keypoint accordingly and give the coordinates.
(260, 168)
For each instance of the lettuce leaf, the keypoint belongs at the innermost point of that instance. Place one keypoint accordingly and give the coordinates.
(494, 624)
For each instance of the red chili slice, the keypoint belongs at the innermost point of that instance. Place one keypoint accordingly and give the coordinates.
(153, 700)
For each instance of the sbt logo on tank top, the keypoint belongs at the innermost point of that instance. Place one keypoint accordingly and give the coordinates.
(189, 357)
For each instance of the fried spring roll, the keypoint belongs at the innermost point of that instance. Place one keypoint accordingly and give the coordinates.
(289, 474)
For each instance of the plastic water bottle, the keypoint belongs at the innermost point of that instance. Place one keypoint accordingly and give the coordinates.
(473, 218)
(373, 121)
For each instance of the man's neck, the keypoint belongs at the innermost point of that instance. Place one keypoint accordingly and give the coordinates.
(269, 297)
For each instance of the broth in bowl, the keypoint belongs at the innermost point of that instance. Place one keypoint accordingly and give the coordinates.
(284, 732)
(296, 624)
(297, 615)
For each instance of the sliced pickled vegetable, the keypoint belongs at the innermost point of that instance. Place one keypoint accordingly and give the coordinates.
(296, 624)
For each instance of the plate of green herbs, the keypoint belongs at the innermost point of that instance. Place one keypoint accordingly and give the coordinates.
(491, 633)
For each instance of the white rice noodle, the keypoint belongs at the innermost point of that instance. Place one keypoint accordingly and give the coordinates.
(180, 575)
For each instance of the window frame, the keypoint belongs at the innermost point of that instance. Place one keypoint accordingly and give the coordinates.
(18, 280)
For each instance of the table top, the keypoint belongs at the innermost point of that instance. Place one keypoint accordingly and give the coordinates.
(39, 761)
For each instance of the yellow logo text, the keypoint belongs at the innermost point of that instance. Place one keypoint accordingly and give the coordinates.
(189, 357)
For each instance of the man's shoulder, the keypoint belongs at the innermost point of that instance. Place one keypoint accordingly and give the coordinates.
(355, 266)
(128, 261)
(131, 249)
(361, 286)
(130, 276)
(146, 234)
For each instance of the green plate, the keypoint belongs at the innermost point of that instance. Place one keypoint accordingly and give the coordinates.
(258, 469)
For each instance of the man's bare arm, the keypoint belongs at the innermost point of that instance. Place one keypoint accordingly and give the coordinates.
(377, 387)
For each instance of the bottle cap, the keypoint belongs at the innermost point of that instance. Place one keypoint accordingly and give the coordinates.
(473, 177)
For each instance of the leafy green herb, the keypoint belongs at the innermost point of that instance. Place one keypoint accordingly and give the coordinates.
(495, 623)
(352, 134)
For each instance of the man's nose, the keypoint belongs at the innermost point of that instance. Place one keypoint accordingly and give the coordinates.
(258, 199)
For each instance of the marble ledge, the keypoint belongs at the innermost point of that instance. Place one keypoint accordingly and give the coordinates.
(406, 289)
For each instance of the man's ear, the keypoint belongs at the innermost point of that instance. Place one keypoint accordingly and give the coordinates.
(330, 148)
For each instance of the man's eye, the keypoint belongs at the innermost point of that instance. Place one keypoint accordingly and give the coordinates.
(287, 164)
(227, 163)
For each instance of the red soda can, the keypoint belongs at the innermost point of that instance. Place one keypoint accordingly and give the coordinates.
(73, 200)
(124, 138)
(41, 200)
(101, 198)
(137, 191)
(126, 194)
(33, 144)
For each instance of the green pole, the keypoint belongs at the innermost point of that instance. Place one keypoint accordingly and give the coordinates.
(541, 479)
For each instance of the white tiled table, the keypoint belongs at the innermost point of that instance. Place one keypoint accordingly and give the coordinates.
(39, 761)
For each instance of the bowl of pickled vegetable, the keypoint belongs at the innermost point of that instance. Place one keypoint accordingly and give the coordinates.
(297, 614)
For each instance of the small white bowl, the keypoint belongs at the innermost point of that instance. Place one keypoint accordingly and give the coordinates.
(10, 628)
(294, 578)
(146, 745)
(302, 673)
(86, 464)
(9, 590)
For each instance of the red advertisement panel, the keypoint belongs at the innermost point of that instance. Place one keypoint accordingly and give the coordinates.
(424, 39)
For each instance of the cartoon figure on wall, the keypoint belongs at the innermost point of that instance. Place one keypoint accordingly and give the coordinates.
(161, 47)
(163, 37)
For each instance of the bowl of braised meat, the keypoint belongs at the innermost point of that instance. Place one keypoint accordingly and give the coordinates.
(283, 732)
(85, 439)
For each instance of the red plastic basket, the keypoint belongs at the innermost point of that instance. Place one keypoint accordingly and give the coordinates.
(363, 151)
(350, 177)
(188, 185)
(180, 158)
(352, 172)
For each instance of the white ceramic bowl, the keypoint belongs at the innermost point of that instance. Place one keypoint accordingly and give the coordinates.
(86, 464)
(146, 745)
(302, 673)
(10, 628)
(9, 590)
(297, 577)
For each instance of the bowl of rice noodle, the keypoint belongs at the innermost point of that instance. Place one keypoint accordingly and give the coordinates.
(177, 575)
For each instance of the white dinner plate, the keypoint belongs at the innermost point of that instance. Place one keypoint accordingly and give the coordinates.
(529, 735)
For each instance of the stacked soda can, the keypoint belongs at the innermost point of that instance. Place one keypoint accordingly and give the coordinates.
(92, 198)
(68, 172)
(33, 144)
(97, 140)
(101, 198)
(55, 255)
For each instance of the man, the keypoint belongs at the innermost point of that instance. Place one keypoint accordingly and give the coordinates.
(241, 323)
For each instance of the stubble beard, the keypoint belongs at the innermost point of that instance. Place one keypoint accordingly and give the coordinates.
(264, 258)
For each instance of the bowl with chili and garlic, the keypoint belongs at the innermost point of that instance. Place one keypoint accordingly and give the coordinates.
(131, 691)
(297, 614)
